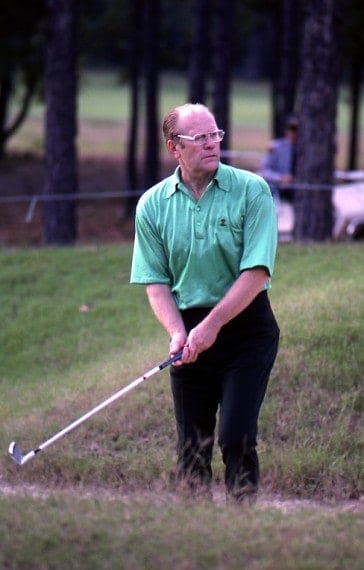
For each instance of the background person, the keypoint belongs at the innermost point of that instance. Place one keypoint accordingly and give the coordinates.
(279, 162)
(205, 248)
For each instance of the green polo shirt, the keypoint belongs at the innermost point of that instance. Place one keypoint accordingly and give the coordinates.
(199, 247)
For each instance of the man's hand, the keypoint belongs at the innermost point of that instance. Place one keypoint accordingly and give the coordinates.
(286, 179)
(201, 338)
(177, 343)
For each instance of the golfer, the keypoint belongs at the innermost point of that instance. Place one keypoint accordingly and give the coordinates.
(205, 248)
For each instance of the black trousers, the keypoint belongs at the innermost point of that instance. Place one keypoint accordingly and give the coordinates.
(231, 377)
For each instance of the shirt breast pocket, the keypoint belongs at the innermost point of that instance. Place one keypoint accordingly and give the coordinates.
(229, 232)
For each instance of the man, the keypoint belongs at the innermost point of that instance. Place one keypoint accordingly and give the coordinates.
(279, 162)
(205, 247)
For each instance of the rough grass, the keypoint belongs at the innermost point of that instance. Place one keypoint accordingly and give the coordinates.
(59, 361)
(104, 494)
(68, 532)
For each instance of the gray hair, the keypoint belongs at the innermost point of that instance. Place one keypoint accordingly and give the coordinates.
(171, 118)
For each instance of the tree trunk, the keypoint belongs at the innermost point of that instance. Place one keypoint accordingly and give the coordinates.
(6, 87)
(152, 26)
(134, 72)
(355, 87)
(59, 224)
(316, 144)
(7, 129)
(222, 66)
(275, 75)
(200, 52)
(286, 84)
(21, 62)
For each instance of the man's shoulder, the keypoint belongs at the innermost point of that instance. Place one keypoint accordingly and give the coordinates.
(242, 182)
(160, 190)
(240, 174)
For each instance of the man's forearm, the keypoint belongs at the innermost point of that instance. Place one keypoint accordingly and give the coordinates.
(200, 338)
(165, 309)
(239, 296)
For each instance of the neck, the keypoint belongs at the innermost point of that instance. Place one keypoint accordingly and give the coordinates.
(196, 184)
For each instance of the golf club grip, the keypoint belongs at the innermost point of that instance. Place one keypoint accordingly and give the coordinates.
(170, 360)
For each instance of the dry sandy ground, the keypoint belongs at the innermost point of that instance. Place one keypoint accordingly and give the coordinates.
(99, 220)
(265, 501)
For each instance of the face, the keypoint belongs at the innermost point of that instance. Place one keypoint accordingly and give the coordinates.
(292, 134)
(196, 159)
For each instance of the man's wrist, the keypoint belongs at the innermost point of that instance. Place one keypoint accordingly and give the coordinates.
(214, 319)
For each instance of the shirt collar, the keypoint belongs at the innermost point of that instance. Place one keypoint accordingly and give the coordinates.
(220, 178)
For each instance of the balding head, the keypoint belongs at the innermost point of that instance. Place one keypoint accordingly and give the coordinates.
(171, 120)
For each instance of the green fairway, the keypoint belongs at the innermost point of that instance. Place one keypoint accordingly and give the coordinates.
(104, 111)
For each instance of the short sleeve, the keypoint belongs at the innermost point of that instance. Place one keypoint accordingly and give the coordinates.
(149, 263)
(260, 230)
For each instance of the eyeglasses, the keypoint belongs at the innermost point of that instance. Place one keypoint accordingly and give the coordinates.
(215, 136)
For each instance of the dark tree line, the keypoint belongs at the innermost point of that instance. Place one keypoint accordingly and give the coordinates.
(207, 39)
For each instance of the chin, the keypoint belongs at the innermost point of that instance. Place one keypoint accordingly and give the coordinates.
(212, 161)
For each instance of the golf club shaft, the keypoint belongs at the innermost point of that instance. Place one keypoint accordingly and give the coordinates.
(101, 406)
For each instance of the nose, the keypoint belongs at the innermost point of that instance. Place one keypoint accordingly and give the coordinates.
(210, 141)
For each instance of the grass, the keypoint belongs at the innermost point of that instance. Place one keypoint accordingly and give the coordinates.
(57, 362)
(103, 496)
(139, 535)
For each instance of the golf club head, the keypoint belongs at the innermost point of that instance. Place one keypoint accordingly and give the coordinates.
(15, 453)
(20, 459)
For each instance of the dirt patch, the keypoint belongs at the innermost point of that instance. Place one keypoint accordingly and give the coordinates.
(100, 219)
(265, 501)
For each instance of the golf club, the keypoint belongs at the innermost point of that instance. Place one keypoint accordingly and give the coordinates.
(14, 449)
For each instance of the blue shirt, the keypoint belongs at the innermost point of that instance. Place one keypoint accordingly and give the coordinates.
(277, 161)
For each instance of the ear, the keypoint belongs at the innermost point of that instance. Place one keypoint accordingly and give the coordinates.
(173, 148)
